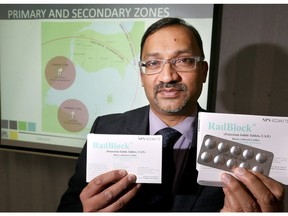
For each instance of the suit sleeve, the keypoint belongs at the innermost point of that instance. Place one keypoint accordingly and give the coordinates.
(70, 200)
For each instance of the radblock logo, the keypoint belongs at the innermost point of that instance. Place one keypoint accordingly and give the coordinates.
(230, 127)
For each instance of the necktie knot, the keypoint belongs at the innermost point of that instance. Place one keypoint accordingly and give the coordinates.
(170, 136)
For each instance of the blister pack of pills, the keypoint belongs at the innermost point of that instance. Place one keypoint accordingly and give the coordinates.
(225, 155)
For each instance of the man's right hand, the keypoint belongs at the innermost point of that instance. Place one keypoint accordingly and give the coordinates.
(109, 192)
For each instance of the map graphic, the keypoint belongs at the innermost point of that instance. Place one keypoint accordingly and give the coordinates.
(88, 69)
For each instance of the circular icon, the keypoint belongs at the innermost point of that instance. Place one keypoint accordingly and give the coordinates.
(60, 72)
(73, 115)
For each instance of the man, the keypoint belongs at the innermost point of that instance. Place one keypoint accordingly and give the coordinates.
(173, 71)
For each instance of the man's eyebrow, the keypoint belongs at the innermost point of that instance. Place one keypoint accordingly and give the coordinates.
(176, 53)
(183, 51)
(149, 55)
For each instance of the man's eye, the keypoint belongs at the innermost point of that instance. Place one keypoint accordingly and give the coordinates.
(152, 64)
(186, 60)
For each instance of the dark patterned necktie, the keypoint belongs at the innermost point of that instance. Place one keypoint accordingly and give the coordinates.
(169, 138)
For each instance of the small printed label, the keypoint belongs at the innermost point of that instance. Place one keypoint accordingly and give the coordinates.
(137, 154)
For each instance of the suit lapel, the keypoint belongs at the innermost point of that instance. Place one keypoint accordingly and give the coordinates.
(137, 121)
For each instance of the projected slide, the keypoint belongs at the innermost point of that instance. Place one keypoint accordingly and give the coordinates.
(62, 66)
(104, 54)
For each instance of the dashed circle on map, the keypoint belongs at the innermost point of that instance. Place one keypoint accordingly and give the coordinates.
(73, 115)
(60, 72)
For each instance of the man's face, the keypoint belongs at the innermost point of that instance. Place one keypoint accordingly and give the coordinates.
(181, 98)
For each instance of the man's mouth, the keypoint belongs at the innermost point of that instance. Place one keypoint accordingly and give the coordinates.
(169, 90)
(169, 93)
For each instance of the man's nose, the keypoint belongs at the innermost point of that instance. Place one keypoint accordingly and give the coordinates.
(168, 73)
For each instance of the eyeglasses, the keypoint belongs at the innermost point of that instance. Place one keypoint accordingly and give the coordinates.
(183, 64)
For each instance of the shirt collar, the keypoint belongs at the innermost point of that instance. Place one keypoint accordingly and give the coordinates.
(185, 127)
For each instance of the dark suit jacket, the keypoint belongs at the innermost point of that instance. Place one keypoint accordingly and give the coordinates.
(190, 196)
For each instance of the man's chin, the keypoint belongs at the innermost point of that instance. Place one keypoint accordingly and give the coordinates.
(170, 109)
(172, 105)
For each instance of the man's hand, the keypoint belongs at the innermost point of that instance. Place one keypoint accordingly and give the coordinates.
(252, 192)
(109, 192)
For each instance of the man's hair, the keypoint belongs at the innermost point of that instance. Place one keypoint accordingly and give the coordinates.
(170, 21)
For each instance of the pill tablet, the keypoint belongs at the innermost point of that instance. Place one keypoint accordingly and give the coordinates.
(225, 155)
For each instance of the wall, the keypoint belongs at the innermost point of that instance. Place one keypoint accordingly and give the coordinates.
(253, 66)
(31, 182)
(252, 78)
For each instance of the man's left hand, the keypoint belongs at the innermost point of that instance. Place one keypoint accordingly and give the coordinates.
(252, 192)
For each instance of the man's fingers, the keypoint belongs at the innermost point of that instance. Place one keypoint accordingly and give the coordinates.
(112, 191)
(239, 198)
(275, 187)
(122, 201)
(100, 182)
(253, 191)
(268, 192)
(230, 202)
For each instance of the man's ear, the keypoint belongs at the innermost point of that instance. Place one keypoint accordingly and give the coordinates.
(204, 71)
(141, 75)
